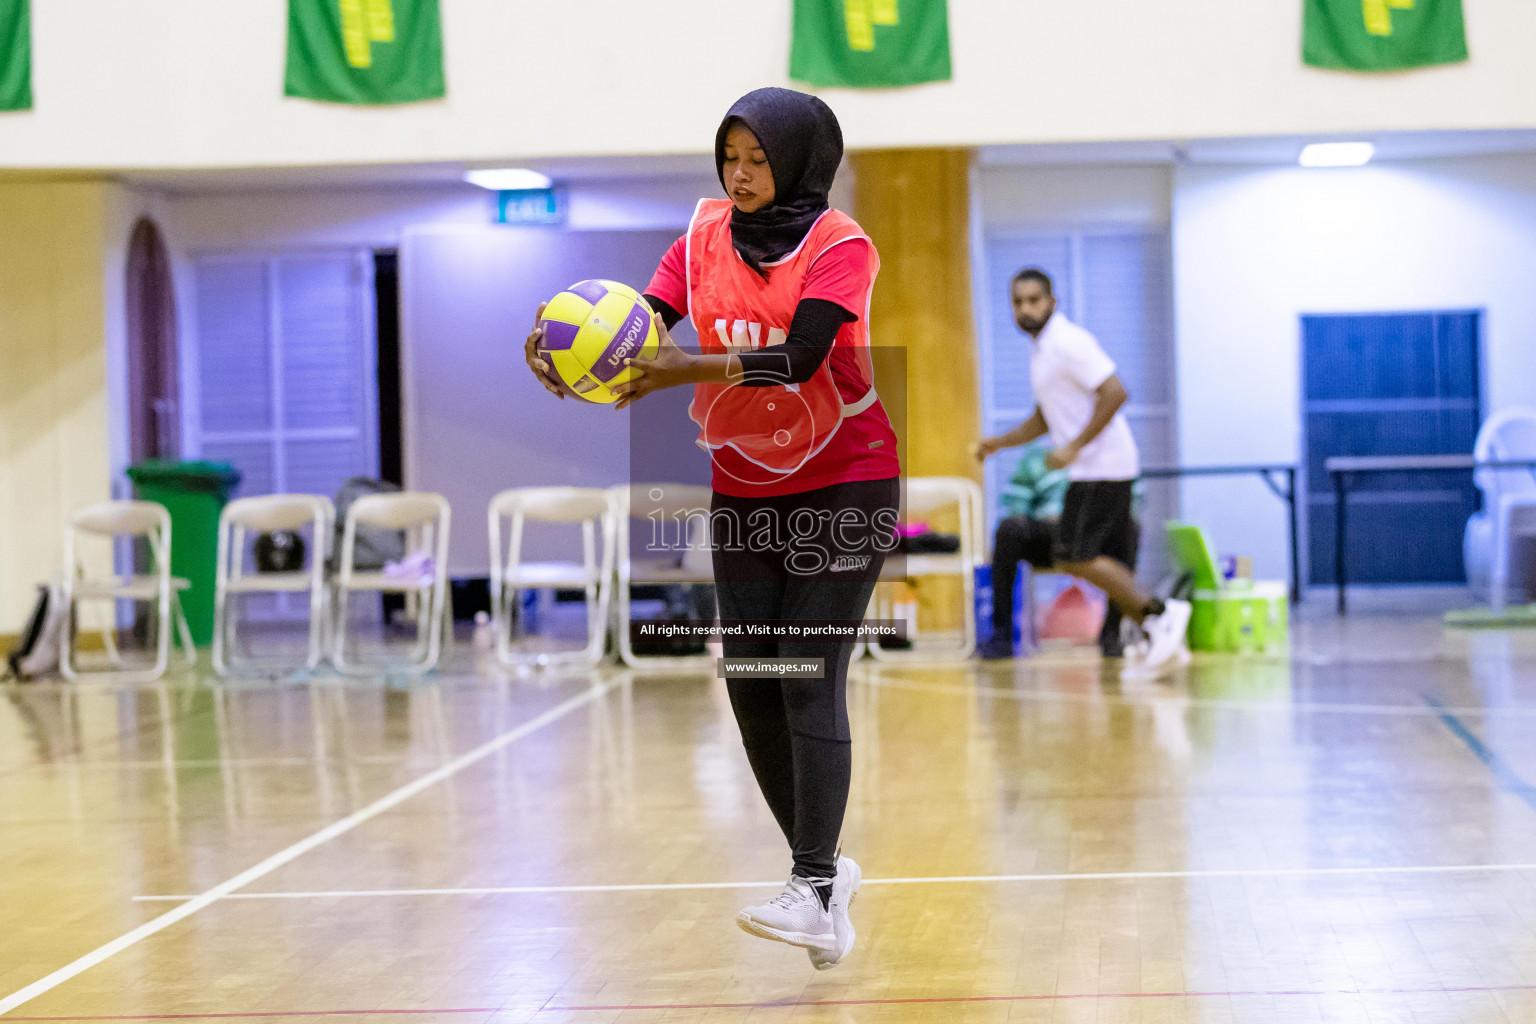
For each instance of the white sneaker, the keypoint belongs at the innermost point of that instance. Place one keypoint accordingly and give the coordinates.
(1164, 646)
(795, 916)
(1134, 668)
(1165, 634)
(844, 888)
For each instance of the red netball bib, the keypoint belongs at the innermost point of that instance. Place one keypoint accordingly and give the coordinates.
(778, 428)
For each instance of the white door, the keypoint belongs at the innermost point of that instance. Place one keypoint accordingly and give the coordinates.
(284, 364)
(285, 368)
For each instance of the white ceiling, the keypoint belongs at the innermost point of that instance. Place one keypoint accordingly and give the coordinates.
(445, 175)
(1281, 149)
(1259, 150)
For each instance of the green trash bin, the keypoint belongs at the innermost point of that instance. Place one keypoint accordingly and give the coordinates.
(194, 494)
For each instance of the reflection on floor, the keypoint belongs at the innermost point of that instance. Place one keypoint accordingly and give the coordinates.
(1345, 835)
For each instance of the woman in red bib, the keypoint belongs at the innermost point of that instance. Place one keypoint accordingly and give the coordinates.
(805, 472)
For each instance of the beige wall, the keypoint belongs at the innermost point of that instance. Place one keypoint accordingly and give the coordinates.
(54, 447)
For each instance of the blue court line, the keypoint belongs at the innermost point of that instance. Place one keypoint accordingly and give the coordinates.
(1502, 772)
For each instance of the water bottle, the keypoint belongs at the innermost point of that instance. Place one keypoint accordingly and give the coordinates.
(983, 604)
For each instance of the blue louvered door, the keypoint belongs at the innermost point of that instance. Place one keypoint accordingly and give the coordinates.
(286, 382)
(1391, 384)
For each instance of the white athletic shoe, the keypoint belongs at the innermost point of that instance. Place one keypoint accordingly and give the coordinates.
(795, 916)
(844, 888)
(1165, 645)
(1135, 668)
(1135, 655)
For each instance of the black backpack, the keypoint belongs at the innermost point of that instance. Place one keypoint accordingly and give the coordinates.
(37, 652)
(375, 546)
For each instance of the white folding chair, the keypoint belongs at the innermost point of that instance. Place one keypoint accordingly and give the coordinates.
(111, 520)
(682, 511)
(1509, 495)
(590, 507)
(259, 515)
(924, 496)
(424, 519)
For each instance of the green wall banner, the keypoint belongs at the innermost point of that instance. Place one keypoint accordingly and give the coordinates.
(1382, 35)
(870, 43)
(15, 55)
(365, 51)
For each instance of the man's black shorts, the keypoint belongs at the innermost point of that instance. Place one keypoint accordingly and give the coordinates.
(1097, 519)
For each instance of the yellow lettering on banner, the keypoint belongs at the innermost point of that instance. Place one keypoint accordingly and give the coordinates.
(381, 21)
(884, 12)
(1378, 14)
(861, 29)
(354, 34)
(363, 23)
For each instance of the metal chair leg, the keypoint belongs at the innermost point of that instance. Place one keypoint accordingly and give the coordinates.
(184, 631)
(109, 638)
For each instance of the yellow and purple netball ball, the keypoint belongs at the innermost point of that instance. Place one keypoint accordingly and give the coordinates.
(589, 330)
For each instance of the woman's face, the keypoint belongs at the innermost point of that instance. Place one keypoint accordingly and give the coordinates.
(748, 179)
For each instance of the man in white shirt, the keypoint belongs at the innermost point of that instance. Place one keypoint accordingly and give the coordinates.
(1078, 397)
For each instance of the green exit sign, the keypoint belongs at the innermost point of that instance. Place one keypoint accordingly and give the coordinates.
(530, 206)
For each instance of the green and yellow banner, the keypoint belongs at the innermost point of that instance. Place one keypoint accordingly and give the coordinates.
(870, 43)
(15, 55)
(365, 51)
(1383, 35)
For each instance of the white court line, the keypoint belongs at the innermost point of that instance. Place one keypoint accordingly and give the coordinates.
(225, 889)
(1076, 876)
(1171, 697)
(367, 761)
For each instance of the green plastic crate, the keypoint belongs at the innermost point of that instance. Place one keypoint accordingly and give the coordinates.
(1228, 616)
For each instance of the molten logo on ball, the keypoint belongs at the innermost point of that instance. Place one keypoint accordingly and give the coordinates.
(590, 329)
(626, 346)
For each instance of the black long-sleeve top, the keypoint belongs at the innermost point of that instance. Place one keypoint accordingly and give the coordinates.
(811, 334)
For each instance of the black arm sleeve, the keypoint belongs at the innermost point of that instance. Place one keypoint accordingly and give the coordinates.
(811, 335)
(669, 316)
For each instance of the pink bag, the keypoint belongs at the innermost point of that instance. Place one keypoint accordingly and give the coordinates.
(1073, 616)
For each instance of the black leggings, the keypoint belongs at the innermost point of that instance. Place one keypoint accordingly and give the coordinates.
(1018, 539)
(796, 730)
(1024, 539)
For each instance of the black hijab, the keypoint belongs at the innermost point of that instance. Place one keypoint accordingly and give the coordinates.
(804, 144)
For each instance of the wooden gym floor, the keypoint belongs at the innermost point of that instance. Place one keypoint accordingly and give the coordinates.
(1346, 836)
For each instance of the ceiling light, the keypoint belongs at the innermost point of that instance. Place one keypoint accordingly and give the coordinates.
(1337, 154)
(507, 179)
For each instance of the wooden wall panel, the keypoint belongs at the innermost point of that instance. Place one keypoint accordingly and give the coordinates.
(915, 205)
